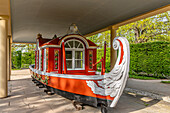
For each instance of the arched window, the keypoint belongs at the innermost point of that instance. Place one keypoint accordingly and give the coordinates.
(74, 54)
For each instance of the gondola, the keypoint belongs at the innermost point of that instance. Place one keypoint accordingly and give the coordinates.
(66, 65)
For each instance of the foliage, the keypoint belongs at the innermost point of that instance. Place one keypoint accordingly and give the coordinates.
(167, 82)
(28, 56)
(99, 39)
(16, 59)
(100, 54)
(150, 29)
(152, 58)
(142, 77)
(22, 55)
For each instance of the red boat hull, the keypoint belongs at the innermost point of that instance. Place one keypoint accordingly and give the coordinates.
(70, 88)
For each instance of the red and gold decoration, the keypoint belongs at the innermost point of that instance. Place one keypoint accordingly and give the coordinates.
(46, 78)
(56, 55)
(90, 59)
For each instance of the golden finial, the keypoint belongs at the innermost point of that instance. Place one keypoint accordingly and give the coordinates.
(73, 29)
(39, 35)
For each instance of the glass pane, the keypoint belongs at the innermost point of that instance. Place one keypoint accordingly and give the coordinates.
(76, 44)
(81, 46)
(68, 54)
(71, 44)
(78, 54)
(69, 63)
(78, 64)
(66, 46)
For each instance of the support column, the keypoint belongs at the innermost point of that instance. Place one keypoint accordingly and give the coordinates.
(8, 57)
(3, 58)
(113, 53)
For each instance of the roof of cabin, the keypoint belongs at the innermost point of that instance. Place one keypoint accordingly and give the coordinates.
(58, 40)
(42, 40)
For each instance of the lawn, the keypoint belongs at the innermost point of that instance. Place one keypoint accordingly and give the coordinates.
(143, 77)
(167, 82)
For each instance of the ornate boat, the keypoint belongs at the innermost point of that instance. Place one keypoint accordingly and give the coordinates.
(67, 66)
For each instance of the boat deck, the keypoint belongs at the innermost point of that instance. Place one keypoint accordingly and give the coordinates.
(71, 76)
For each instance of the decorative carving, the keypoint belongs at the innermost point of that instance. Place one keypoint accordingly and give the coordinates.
(114, 82)
(45, 80)
(90, 59)
(56, 52)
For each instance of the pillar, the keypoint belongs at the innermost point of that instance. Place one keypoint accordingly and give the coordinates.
(113, 53)
(3, 57)
(8, 57)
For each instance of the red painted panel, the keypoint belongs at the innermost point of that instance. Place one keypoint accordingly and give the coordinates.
(122, 52)
(42, 59)
(75, 86)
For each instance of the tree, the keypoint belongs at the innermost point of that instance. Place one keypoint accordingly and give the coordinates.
(150, 29)
(100, 38)
(22, 55)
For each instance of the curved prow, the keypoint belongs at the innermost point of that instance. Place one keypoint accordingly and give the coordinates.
(115, 81)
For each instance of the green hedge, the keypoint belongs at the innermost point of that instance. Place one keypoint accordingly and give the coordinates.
(100, 54)
(151, 58)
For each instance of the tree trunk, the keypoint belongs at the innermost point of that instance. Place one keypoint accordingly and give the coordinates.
(136, 34)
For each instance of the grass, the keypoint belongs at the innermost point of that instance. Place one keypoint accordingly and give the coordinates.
(166, 82)
(16, 69)
(142, 77)
(146, 104)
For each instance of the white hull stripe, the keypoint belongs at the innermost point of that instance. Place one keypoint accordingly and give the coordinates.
(81, 77)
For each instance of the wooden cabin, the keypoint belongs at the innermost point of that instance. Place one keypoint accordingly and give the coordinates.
(80, 55)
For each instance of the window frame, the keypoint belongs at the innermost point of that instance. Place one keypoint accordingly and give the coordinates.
(73, 54)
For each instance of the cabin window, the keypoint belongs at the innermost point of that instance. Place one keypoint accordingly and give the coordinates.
(74, 54)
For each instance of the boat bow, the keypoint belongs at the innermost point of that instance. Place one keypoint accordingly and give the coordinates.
(114, 82)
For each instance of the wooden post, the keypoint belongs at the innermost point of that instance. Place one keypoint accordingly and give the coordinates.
(104, 59)
(113, 53)
(64, 58)
(10, 58)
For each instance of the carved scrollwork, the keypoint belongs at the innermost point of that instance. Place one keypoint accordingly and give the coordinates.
(114, 82)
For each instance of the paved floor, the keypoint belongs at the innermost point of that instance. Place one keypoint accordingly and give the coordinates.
(153, 86)
(25, 97)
